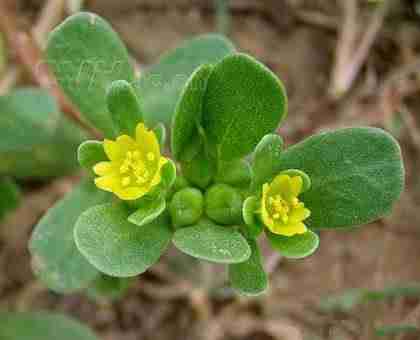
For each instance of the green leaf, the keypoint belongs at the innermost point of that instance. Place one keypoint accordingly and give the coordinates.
(109, 288)
(186, 207)
(161, 85)
(28, 116)
(244, 101)
(253, 227)
(266, 158)
(9, 196)
(124, 106)
(249, 277)
(160, 132)
(86, 56)
(193, 149)
(212, 242)
(168, 174)
(42, 326)
(392, 330)
(90, 153)
(188, 112)
(294, 247)
(357, 175)
(148, 210)
(35, 136)
(224, 204)
(117, 247)
(236, 173)
(55, 257)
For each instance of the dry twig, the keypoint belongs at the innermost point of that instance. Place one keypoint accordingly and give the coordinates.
(352, 53)
(9, 80)
(50, 16)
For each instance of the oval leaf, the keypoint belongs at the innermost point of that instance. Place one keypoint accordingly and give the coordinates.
(42, 326)
(35, 136)
(253, 226)
(160, 132)
(124, 107)
(86, 56)
(117, 247)
(90, 153)
(266, 158)
(357, 174)
(294, 247)
(188, 112)
(55, 257)
(168, 174)
(147, 211)
(243, 102)
(212, 242)
(249, 277)
(161, 85)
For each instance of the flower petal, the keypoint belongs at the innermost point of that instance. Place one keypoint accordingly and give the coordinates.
(281, 185)
(130, 193)
(107, 183)
(289, 230)
(126, 143)
(113, 150)
(103, 168)
(268, 221)
(296, 183)
(157, 178)
(147, 141)
(299, 214)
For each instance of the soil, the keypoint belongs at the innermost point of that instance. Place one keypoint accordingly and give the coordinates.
(298, 40)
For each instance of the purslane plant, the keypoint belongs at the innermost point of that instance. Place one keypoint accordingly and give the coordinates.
(207, 197)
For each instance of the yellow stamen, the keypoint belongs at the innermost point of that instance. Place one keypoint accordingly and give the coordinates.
(150, 157)
(125, 181)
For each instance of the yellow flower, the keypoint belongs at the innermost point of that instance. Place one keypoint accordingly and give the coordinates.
(134, 166)
(281, 210)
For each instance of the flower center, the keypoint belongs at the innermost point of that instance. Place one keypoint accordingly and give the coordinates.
(281, 208)
(133, 169)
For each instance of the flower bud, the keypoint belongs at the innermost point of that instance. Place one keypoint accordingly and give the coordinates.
(224, 204)
(235, 173)
(186, 207)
